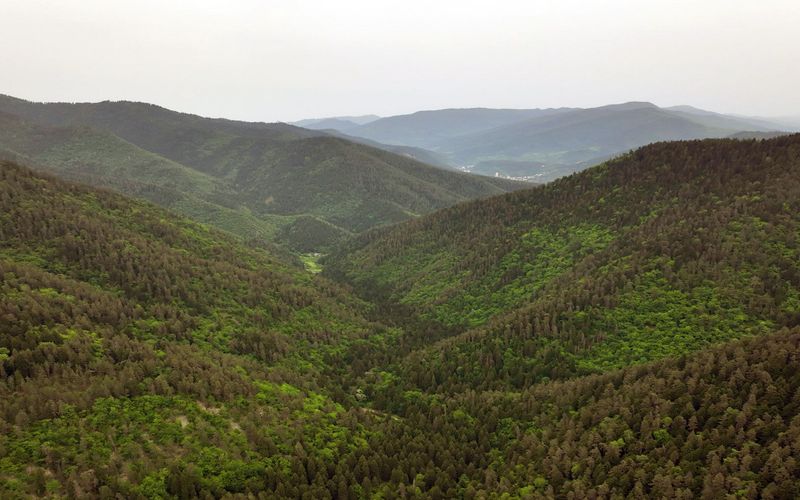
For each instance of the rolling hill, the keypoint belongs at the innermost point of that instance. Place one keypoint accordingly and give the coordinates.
(545, 144)
(152, 340)
(663, 251)
(427, 129)
(512, 348)
(580, 135)
(255, 179)
(419, 154)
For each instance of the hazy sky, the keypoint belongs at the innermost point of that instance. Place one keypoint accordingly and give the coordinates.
(286, 60)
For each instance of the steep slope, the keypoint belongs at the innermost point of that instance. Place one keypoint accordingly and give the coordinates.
(100, 158)
(426, 129)
(659, 252)
(722, 423)
(85, 152)
(419, 154)
(154, 272)
(267, 169)
(134, 339)
(352, 186)
(145, 356)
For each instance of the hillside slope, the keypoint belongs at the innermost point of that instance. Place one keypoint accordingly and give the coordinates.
(662, 251)
(721, 423)
(427, 129)
(261, 170)
(146, 356)
(154, 342)
(102, 159)
(155, 275)
(542, 145)
(580, 135)
(417, 153)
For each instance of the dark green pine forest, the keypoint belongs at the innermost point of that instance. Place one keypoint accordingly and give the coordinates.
(629, 331)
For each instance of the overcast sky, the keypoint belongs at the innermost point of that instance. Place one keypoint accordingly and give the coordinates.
(285, 60)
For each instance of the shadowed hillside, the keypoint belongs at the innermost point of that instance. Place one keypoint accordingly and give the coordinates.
(257, 180)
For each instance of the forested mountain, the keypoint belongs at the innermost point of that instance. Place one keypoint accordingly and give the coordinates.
(659, 252)
(720, 120)
(144, 355)
(419, 154)
(718, 424)
(542, 145)
(427, 129)
(270, 181)
(82, 262)
(103, 159)
(583, 134)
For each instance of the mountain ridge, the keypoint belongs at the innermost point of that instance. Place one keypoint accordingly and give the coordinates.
(551, 139)
(265, 182)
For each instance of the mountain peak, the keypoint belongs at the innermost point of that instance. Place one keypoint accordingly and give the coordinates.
(631, 105)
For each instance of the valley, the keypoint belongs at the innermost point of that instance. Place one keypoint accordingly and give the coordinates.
(355, 250)
(584, 336)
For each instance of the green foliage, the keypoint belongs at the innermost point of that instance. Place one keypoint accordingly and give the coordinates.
(654, 321)
(600, 270)
(428, 278)
(311, 262)
(143, 355)
(272, 182)
(130, 333)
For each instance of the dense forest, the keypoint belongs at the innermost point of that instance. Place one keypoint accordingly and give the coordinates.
(629, 331)
(666, 250)
(303, 189)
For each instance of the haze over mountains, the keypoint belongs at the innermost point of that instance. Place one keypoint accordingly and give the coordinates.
(510, 250)
(543, 144)
(341, 123)
(276, 182)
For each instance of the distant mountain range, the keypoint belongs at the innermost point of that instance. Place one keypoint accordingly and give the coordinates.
(336, 122)
(432, 129)
(274, 182)
(543, 144)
